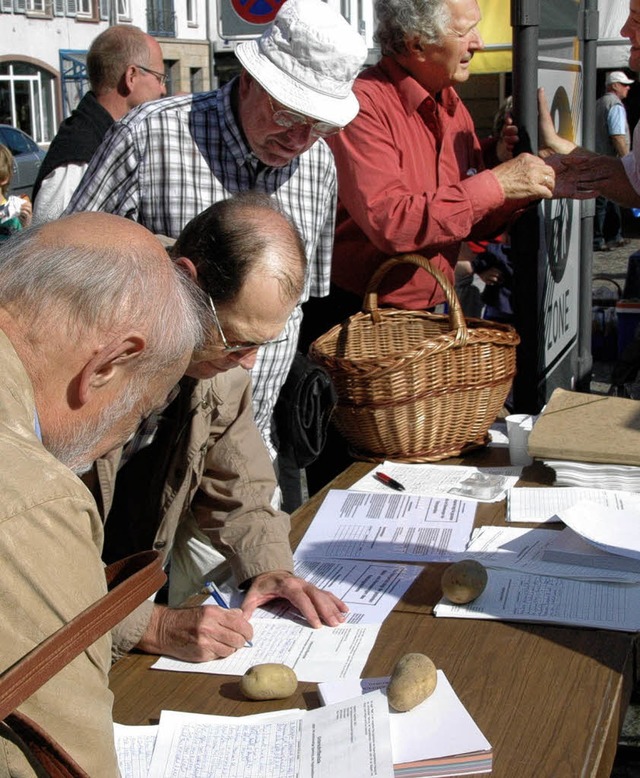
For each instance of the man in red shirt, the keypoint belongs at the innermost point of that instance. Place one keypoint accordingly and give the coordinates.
(411, 175)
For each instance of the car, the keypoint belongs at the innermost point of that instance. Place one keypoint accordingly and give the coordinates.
(27, 157)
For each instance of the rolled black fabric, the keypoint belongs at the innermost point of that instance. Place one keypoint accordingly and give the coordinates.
(303, 410)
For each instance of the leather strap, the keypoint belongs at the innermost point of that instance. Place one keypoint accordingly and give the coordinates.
(131, 581)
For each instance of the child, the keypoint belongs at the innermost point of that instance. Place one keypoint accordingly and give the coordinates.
(15, 212)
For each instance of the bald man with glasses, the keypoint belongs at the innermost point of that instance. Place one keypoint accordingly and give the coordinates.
(196, 482)
(262, 131)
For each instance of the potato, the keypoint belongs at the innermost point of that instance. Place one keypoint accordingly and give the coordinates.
(463, 581)
(412, 681)
(269, 681)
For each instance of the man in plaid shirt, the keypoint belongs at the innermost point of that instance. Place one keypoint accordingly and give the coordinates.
(168, 161)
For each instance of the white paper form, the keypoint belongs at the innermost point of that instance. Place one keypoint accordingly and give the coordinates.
(438, 727)
(370, 589)
(134, 748)
(542, 504)
(396, 527)
(346, 739)
(525, 550)
(612, 530)
(321, 654)
(511, 596)
(434, 480)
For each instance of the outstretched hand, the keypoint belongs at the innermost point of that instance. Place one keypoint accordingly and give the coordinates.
(316, 605)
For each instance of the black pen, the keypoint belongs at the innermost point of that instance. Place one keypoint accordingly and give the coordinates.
(388, 481)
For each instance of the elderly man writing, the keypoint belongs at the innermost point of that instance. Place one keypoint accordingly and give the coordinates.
(84, 358)
(198, 485)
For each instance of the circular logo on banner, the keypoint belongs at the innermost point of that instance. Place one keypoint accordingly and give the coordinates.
(257, 11)
(558, 213)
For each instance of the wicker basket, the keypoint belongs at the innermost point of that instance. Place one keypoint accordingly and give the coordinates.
(415, 386)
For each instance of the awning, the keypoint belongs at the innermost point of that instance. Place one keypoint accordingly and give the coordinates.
(558, 18)
(495, 29)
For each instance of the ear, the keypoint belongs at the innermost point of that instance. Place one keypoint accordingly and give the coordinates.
(108, 363)
(188, 267)
(414, 48)
(245, 85)
(129, 77)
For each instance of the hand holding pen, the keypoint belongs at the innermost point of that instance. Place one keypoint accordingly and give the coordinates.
(220, 601)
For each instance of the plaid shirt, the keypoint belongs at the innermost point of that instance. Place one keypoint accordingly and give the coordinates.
(168, 160)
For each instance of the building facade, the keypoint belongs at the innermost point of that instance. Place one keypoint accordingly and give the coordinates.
(43, 47)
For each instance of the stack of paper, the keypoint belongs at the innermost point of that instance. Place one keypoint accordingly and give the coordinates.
(390, 526)
(513, 596)
(436, 738)
(626, 477)
(345, 739)
(570, 548)
(543, 504)
(540, 552)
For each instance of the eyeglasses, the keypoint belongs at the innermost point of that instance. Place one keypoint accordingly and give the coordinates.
(236, 347)
(283, 117)
(162, 77)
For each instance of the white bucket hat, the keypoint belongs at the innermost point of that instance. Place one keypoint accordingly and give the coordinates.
(307, 60)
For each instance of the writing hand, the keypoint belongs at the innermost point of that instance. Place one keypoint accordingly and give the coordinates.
(196, 634)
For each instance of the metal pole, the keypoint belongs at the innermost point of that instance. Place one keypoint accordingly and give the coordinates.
(589, 65)
(526, 233)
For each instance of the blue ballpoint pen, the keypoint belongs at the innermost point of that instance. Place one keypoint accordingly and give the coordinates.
(220, 600)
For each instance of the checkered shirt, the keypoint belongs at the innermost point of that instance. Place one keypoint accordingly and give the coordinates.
(168, 160)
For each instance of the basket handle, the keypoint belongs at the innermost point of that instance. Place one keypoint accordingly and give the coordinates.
(457, 321)
(609, 280)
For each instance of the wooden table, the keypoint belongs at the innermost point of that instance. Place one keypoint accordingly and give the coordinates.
(550, 700)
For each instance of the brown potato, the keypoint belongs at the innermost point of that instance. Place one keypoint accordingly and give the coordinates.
(463, 581)
(413, 680)
(269, 681)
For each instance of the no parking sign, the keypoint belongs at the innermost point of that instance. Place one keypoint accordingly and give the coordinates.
(257, 11)
(246, 18)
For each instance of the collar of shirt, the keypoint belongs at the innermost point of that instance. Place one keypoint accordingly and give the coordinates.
(230, 130)
(413, 94)
(146, 432)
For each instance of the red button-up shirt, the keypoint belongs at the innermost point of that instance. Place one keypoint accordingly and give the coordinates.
(410, 179)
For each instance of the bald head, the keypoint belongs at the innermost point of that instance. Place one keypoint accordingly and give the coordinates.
(95, 273)
(244, 236)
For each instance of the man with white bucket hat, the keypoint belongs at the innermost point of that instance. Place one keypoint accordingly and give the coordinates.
(170, 160)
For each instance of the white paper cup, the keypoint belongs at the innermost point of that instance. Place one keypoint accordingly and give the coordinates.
(519, 425)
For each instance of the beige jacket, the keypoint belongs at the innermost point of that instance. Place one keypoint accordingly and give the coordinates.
(50, 541)
(208, 466)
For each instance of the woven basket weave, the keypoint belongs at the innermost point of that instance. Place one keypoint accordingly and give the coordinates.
(415, 386)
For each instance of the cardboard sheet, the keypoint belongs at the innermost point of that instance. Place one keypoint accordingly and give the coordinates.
(587, 428)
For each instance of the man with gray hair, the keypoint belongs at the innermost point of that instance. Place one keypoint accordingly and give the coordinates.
(84, 358)
(164, 163)
(125, 69)
(411, 175)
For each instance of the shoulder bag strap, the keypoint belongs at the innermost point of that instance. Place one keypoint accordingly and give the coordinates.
(131, 581)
